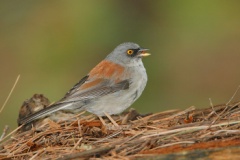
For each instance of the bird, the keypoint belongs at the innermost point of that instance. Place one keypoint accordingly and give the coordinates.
(109, 88)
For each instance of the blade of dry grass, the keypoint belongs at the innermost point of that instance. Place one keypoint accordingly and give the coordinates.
(10, 93)
(5, 130)
(14, 131)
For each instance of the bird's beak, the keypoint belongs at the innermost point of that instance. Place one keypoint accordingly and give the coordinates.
(143, 53)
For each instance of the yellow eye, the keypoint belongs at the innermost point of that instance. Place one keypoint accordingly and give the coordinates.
(129, 52)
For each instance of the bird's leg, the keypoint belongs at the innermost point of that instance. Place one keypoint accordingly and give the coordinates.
(112, 120)
(103, 122)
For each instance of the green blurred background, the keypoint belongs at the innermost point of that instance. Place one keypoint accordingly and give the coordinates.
(195, 48)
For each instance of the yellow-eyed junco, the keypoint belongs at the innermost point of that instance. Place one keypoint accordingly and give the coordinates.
(110, 87)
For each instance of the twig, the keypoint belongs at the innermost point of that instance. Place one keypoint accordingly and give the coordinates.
(79, 127)
(72, 117)
(213, 111)
(103, 122)
(230, 111)
(218, 116)
(233, 95)
(19, 155)
(133, 137)
(10, 93)
(39, 152)
(87, 153)
(4, 132)
(10, 133)
(171, 144)
(75, 146)
(110, 118)
(177, 114)
(145, 119)
(190, 129)
(108, 137)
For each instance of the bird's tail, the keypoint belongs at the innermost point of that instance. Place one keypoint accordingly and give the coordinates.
(43, 113)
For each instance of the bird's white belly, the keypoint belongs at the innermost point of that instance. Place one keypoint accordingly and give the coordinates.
(117, 102)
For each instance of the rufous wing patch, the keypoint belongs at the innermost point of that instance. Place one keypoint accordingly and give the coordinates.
(107, 69)
(91, 83)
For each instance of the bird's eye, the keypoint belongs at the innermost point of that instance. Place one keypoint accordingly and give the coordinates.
(130, 52)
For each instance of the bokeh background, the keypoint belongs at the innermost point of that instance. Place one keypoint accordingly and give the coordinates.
(195, 48)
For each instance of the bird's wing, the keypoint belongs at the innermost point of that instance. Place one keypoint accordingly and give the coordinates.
(75, 87)
(84, 90)
(91, 89)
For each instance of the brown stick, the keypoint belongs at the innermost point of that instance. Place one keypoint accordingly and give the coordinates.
(87, 153)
